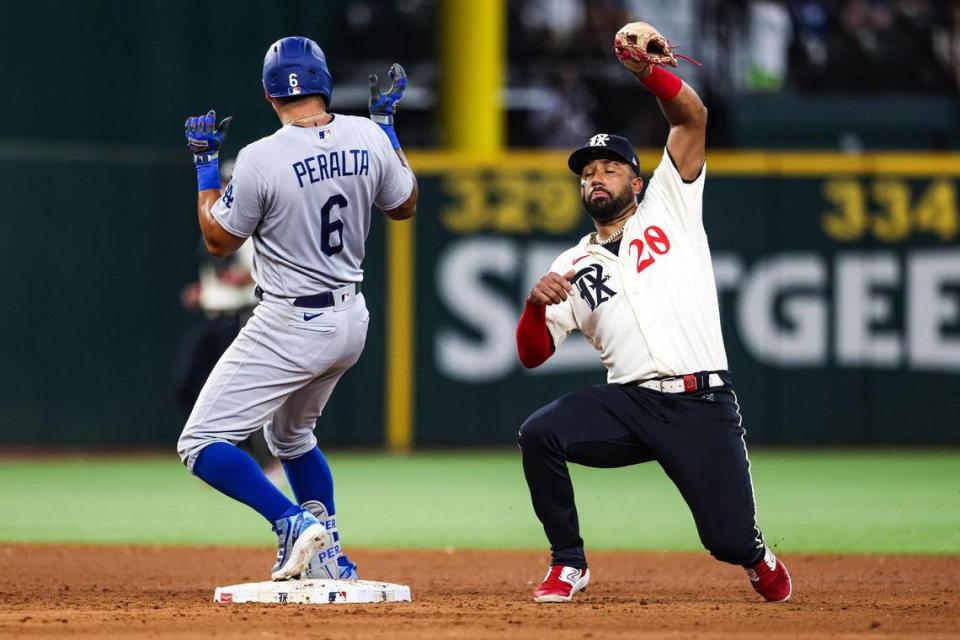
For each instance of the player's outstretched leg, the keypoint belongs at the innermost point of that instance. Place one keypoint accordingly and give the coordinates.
(714, 478)
(587, 427)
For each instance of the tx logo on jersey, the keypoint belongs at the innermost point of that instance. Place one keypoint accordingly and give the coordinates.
(590, 283)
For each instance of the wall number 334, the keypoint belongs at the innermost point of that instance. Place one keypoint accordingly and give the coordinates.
(888, 210)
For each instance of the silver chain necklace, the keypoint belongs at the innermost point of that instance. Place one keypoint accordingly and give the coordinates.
(611, 238)
(306, 117)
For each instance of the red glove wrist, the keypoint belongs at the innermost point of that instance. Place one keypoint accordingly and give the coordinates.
(661, 83)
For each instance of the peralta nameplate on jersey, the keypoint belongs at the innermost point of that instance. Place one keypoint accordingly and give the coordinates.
(313, 592)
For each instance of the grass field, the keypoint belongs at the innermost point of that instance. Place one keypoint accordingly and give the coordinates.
(884, 501)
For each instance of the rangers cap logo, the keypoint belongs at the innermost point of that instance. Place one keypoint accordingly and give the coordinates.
(604, 145)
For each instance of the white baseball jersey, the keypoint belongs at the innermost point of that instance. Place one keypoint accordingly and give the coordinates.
(651, 311)
(217, 296)
(304, 194)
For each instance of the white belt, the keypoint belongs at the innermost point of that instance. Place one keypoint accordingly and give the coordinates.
(681, 384)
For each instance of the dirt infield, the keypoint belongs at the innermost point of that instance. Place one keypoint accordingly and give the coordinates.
(140, 592)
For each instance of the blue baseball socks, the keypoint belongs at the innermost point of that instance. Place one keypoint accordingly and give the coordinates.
(235, 473)
(311, 479)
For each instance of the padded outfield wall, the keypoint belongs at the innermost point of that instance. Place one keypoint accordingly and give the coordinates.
(839, 280)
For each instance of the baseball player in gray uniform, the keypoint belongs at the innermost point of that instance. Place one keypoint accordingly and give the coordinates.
(304, 195)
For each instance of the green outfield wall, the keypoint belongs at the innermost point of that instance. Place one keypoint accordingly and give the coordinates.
(839, 281)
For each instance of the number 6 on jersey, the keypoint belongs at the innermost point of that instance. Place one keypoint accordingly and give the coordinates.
(329, 227)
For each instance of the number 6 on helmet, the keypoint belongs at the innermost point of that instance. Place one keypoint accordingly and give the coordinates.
(297, 66)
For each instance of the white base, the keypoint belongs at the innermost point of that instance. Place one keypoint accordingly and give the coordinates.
(313, 592)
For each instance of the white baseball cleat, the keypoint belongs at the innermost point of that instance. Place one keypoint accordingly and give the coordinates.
(331, 563)
(299, 538)
(561, 583)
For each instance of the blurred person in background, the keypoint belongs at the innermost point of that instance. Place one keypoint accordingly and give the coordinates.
(808, 53)
(564, 116)
(224, 294)
(555, 23)
(770, 33)
(747, 46)
(874, 45)
(948, 41)
(571, 28)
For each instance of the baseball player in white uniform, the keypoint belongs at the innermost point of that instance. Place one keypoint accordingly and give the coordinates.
(304, 196)
(641, 290)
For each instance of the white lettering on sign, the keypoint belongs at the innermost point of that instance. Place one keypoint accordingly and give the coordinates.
(933, 309)
(488, 351)
(790, 285)
(879, 309)
(863, 307)
(461, 283)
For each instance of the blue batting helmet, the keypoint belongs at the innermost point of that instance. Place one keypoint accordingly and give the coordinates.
(296, 66)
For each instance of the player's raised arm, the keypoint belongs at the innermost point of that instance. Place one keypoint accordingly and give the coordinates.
(204, 139)
(643, 51)
(383, 106)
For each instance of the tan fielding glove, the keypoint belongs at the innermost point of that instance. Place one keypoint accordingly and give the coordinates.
(638, 45)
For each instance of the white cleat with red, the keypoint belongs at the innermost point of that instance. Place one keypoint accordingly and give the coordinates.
(770, 579)
(561, 583)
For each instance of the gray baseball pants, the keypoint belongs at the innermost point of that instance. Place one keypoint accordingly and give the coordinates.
(277, 375)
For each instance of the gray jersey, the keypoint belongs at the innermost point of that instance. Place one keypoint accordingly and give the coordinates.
(304, 194)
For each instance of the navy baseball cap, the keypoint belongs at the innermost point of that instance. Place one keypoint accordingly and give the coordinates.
(604, 145)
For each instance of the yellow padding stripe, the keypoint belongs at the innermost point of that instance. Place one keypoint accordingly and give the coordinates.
(399, 370)
(719, 163)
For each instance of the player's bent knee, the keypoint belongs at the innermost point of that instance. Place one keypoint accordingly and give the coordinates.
(535, 433)
(287, 448)
(185, 447)
(191, 443)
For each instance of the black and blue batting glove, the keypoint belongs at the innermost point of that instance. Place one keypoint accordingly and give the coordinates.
(204, 139)
(384, 105)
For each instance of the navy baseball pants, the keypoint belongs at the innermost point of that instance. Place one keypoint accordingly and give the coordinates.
(696, 438)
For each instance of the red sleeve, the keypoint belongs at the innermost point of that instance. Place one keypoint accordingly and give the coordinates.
(534, 342)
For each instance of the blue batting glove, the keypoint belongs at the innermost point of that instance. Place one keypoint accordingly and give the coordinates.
(204, 139)
(384, 105)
